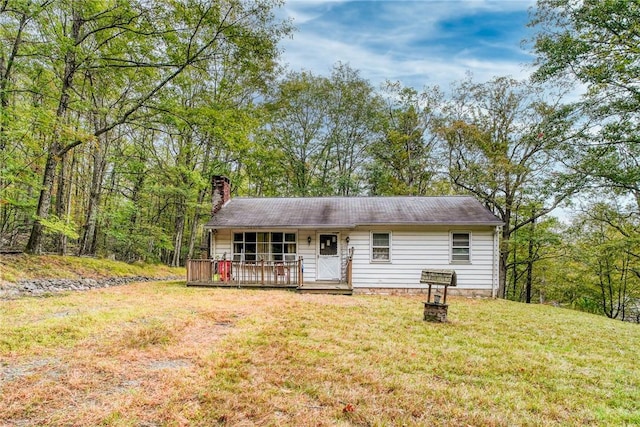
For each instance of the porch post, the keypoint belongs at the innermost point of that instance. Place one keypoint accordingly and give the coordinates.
(350, 268)
(300, 272)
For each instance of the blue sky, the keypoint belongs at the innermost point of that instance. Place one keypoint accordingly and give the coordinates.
(420, 43)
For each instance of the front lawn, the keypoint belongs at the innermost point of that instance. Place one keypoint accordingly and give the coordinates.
(163, 354)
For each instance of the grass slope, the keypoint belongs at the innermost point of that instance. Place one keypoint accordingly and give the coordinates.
(17, 267)
(164, 354)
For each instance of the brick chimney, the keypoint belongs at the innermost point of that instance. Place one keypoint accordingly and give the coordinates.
(221, 192)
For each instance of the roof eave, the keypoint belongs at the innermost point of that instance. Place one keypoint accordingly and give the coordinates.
(352, 226)
(278, 226)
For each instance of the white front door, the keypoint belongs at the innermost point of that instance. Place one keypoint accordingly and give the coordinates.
(328, 256)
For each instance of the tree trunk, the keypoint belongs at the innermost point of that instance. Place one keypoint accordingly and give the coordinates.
(530, 261)
(61, 203)
(129, 253)
(514, 270)
(504, 255)
(195, 223)
(179, 232)
(34, 246)
(6, 68)
(87, 242)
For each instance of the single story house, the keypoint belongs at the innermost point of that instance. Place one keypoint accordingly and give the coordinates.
(349, 244)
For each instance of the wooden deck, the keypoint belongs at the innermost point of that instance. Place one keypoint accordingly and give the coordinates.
(307, 288)
(234, 284)
(260, 275)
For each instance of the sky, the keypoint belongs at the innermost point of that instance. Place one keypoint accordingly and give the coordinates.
(419, 43)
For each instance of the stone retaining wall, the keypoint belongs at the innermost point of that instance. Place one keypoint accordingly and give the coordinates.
(37, 287)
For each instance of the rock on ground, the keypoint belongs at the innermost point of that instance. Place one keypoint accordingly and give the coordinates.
(35, 287)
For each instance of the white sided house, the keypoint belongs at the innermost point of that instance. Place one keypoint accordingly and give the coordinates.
(348, 244)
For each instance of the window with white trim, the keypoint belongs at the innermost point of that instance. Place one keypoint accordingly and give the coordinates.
(274, 246)
(380, 247)
(460, 246)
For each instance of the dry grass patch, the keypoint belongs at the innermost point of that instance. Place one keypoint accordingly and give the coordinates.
(163, 354)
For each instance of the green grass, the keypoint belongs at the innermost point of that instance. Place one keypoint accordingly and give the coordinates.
(164, 354)
(17, 267)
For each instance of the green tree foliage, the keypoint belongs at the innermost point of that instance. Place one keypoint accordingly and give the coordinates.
(597, 44)
(353, 125)
(504, 143)
(82, 83)
(297, 130)
(23, 123)
(319, 130)
(606, 258)
(535, 249)
(115, 116)
(405, 160)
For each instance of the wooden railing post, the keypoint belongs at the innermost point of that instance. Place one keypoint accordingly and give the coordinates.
(300, 271)
(350, 268)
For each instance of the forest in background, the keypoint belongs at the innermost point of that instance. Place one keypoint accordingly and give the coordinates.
(115, 116)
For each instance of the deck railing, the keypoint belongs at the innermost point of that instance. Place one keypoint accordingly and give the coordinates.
(256, 273)
(199, 270)
(349, 269)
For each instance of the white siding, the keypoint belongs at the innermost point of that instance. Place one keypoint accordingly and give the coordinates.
(308, 253)
(414, 250)
(411, 251)
(222, 245)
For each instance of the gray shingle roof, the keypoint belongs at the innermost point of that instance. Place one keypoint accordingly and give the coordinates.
(349, 212)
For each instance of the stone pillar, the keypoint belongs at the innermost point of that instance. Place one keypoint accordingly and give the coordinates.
(435, 312)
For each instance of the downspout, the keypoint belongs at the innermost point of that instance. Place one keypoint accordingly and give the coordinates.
(495, 283)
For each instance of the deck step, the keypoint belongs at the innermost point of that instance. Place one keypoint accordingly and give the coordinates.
(325, 288)
(330, 291)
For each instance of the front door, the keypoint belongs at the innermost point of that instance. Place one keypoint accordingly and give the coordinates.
(328, 256)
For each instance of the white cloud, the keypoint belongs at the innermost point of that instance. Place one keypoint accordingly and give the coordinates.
(403, 40)
(301, 11)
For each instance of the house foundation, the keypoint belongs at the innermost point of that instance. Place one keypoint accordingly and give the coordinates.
(469, 293)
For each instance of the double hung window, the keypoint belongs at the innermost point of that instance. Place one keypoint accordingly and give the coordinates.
(380, 247)
(460, 247)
